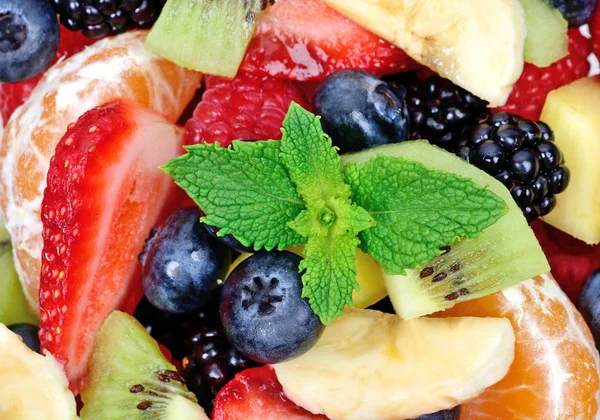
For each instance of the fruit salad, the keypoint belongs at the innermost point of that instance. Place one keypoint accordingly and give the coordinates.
(299, 209)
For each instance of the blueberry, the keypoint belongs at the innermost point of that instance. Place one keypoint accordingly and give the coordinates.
(262, 309)
(29, 334)
(183, 263)
(228, 240)
(576, 12)
(359, 111)
(589, 304)
(29, 38)
(453, 414)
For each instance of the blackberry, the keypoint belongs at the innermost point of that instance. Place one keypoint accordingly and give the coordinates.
(99, 18)
(438, 109)
(522, 155)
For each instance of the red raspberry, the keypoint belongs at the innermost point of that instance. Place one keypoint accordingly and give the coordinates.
(12, 95)
(246, 108)
(529, 94)
(595, 31)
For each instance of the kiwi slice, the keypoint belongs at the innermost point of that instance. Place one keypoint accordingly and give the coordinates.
(547, 40)
(505, 254)
(129, 378)
(209, 36)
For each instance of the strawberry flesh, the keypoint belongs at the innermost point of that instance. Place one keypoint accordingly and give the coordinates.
(306, 40)
(104, 193)
(257, 394)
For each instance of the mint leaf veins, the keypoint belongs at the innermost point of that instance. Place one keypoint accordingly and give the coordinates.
(417, 210)
(331, 222)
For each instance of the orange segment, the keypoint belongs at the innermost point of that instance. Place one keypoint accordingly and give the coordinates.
(555, 375)
(118, 67)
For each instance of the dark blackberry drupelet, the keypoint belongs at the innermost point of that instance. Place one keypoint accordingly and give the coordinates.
(99, 18)
(522, 155)
(438, 109)
(210, 361)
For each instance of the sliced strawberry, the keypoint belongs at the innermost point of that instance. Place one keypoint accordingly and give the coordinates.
(104, 193)
(257, 394)
(306, 39)
(12, 95)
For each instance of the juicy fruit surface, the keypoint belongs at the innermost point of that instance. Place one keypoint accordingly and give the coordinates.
(262, 309)
(13, 95)
(359, 111)
(555, 374)
(256, 394)
(508, 261)
(104, 194)
(115, 67)
(578, 209)
(595, 31)
(452, 38)
(33, 387)
(126, 368)
(28, 39)
(183, 263)
(547, 40)
(288, 44)
(371, 365)
(529, 93)
(248, 107)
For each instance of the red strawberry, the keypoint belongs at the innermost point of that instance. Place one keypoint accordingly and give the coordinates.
(529, 94)
(306, 39)
(257, 394)
(595, 32)
(12, 95)
(104, 193)
(246, 108)
(571, 260)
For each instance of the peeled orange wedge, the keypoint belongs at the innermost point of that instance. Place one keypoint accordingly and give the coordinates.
(555, 373)
(118, 67)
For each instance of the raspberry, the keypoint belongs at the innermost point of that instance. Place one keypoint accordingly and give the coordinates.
(245, 108)
(529, 94)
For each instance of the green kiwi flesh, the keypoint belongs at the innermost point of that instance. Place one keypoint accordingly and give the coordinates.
(505, 254)
(547, 40)
(209, 36)
(129, 378)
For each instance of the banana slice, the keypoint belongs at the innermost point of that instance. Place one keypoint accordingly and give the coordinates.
(368, 365)
(32, 386)
(478, 44)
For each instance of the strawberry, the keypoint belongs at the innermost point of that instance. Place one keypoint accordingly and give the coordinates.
(571, 260)
(595, 32)
(529, 93)
(248, 107)
(12, 95)
(104, 193)
(306, 39)
(257, 394)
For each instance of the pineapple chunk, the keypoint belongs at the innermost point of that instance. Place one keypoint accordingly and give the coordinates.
(572, 112)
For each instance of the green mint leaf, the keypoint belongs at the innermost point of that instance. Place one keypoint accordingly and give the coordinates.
(417, 210)
(330, 222)
(245, 190)
(306, 151)
(329, 255)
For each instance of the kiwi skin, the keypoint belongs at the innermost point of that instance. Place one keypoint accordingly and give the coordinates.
(505, 253)
(209, 36)
(129, 378)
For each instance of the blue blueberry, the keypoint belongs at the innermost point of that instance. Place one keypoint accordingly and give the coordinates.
(29, 334)
(453, 414)
(29, 38)
(589, 304)
(576, 12)
(359, 111)
(262, 309)
(182, 263)
(228, 240)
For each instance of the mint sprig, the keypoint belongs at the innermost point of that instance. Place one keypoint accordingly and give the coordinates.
(330, 222)
(272, 194)
(417, 210)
